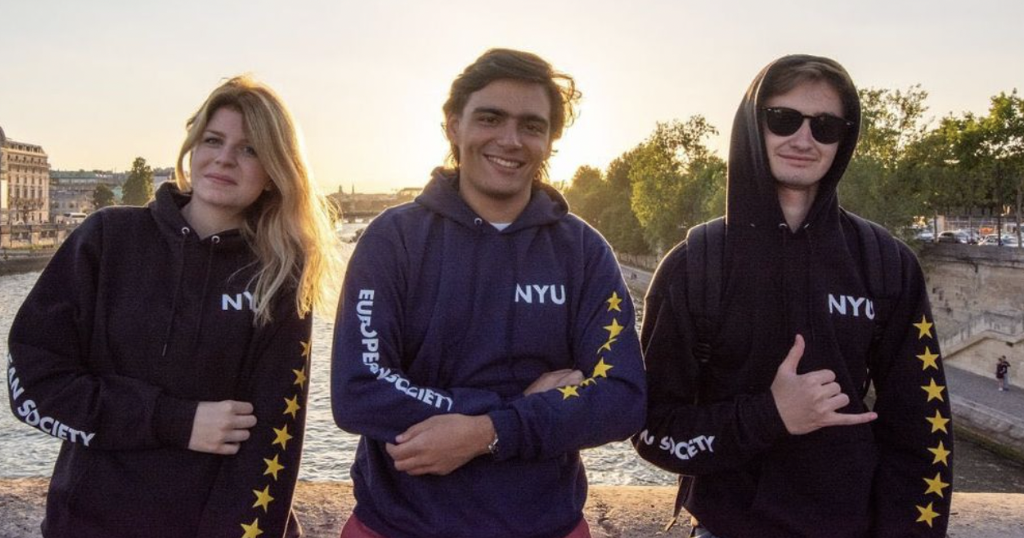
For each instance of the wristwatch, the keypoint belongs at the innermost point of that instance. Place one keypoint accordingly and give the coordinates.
(493, 446)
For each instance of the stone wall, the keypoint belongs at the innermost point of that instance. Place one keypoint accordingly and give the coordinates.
(977, 296)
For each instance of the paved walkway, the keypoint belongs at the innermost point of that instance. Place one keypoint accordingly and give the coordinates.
(983, 390)
(637, 280)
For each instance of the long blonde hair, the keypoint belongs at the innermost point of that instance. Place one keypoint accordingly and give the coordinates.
(289, 227)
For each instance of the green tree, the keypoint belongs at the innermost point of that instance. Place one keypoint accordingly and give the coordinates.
(138, 188)
(604, 202)
(984, 158)
(879, 183)
(102, 196)
(1003, 144)
(620, 225)
(586, 195)
(676, 181)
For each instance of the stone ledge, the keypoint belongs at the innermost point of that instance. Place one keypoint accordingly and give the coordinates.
(1001, 432)
(612, 511)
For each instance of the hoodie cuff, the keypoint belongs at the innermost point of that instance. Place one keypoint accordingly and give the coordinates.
(768, 422)
(172, 420)
(509, 432)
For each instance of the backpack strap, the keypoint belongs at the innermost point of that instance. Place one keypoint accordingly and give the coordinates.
(882, 268)
(882, 262)
(705, 255)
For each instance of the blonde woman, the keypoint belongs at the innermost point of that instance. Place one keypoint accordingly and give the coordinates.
(168, 346)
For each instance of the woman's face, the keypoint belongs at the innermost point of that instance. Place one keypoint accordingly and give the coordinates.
(227, 175)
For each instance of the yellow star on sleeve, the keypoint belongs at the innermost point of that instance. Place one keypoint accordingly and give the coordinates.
(263, 498)
(601, 368)
(936, 485)
(941, 454)
(252, 530)
(934, 391)
(924, 327)
(568, 391)
(928, 358)
(282, 437)
(613, 302)
(587, 381)
(614, 329)
(607, 345)
(300, 377)
(272, 467)
(293, 406)
(927, 514)
(938, 422)
(307, 347)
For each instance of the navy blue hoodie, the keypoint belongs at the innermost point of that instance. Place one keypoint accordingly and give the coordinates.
(443, 313)
(133, 322)
(718, 422)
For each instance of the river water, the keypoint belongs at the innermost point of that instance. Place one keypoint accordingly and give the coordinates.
(328, 455)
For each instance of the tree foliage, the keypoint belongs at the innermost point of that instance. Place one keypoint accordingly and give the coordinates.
(982, 158)
(604, 202)
(102, 196)
(903, 168)
(138, 188)
(587, 195)
(677, 181)
(622, 229)
(880, 184)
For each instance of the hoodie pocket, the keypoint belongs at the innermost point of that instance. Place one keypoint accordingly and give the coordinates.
(822, 482)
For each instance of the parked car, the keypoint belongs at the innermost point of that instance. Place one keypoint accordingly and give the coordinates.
(1008, 240)
(925, 235)
(955, 236)
(74, 218)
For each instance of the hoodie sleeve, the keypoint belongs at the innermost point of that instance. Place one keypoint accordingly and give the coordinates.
(913, 483)
(683, 435)
(57, 386)
(370, 393)
(254, 488)
(609, 404)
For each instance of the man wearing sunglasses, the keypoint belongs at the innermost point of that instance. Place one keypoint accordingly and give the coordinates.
(763, 332)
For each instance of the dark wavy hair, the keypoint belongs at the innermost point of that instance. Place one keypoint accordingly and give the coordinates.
(508, 64)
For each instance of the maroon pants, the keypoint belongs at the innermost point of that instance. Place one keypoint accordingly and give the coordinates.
(355, 529)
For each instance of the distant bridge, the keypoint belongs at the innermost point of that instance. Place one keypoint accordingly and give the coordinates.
(367, 206)
(360, 214)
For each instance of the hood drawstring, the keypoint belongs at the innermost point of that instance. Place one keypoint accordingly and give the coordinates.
(214, 241)
(185, 231)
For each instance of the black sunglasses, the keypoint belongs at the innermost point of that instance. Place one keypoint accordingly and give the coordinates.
(825, 128)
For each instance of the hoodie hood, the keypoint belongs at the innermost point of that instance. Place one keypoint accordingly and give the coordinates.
(166, 208)
(752, 198)
(441, 196)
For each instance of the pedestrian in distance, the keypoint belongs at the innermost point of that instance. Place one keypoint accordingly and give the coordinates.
(168, 345)
(1003, 373)
(485, 334)
(764, 331)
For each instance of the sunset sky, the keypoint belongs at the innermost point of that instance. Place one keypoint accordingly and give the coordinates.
(99, 83)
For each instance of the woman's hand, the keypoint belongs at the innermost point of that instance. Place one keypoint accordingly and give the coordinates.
(219, 427)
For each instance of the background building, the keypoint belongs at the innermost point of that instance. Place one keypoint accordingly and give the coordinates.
(72, 191)
(3, 178)
(26, 175)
